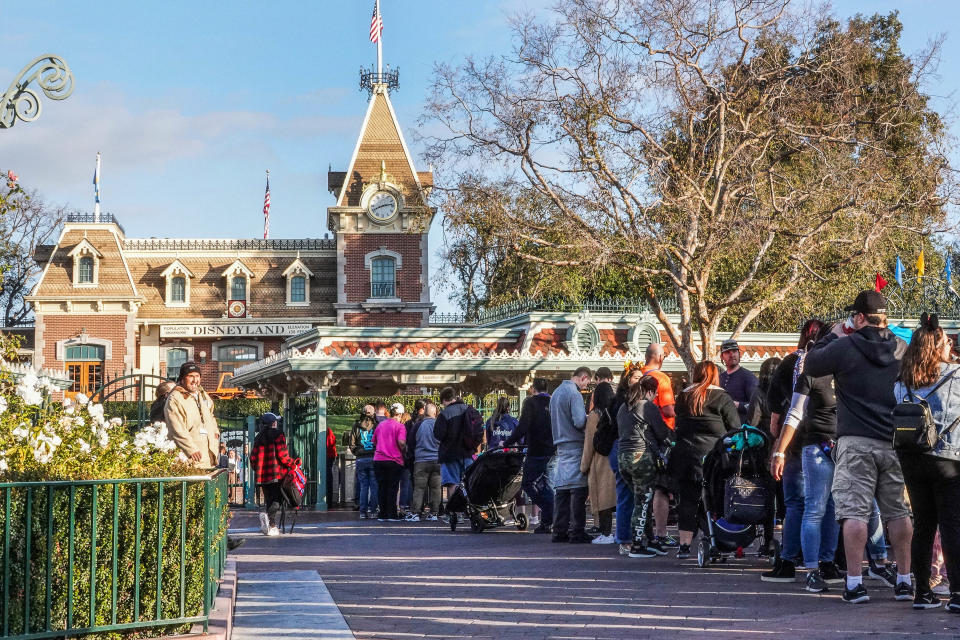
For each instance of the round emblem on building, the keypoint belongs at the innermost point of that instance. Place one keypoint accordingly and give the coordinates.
(237, 309)
(382, 206)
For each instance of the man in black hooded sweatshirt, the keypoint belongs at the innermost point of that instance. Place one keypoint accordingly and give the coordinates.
(865, 365)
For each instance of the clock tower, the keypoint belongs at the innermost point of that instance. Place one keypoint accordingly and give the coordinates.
(381, 220)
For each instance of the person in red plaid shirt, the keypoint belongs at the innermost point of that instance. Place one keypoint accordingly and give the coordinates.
(270, 461)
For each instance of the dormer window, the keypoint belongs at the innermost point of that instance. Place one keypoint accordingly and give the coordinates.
(238, 281)
(383, 265)
(298, 283)
(86, 264)
(178, 284)
(238, 288)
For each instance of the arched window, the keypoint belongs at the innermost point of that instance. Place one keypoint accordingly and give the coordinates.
(238, 288)
(298, 289)
(85, 270)
(178, 289)
(175, 359)
(383, 278)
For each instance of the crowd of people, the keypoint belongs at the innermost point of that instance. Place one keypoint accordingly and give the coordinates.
(634, 448)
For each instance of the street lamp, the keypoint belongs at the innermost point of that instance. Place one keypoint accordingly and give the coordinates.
(51, 74)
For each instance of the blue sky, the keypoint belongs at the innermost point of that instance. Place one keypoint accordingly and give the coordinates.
(190, 102)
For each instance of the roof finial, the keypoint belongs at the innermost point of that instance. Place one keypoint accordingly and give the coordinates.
(383, 171)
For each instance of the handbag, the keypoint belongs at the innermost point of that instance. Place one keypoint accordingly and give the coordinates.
(294, 484)
(745, 499)
(914, 429)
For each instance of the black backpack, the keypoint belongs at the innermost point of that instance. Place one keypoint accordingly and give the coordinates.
(914, 430)
(471, 431)
(606, 433)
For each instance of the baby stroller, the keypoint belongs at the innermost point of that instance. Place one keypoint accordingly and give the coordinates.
(489, 489)
(738, 495)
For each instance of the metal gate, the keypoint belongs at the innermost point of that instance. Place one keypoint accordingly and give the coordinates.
(236, 434)
(300, 428)
(135, 387)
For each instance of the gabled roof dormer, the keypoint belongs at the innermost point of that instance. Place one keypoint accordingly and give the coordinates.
(86, 264)
(298, 283)
(177, 277)
(238, 276)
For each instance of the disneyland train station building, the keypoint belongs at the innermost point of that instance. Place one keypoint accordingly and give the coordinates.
(349, 315)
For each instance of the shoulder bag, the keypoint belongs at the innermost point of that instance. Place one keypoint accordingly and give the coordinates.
(914, 429)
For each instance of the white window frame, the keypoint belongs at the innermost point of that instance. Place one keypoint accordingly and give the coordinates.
(85, 250)
(383, 252)
(176, 269)
(298, 268)
(235, 269)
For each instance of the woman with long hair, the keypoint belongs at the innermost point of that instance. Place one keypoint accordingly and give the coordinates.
(933, 478)
(704, 413)
(758, 412)
(501, 424)
(624, 538)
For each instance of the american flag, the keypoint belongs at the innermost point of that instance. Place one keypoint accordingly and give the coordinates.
(266, 209)
(376, 23)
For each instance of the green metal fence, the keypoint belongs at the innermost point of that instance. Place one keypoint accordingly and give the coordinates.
(97, 556)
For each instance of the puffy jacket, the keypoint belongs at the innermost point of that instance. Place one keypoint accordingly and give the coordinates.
(192, 426)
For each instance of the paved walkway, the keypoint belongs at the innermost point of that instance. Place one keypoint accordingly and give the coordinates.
(398, 580)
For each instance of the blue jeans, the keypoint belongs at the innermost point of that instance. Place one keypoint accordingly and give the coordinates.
(819, 531)
(624, 499)
(876, 542)
(793, 500)
(536, 485)
(406, 488)
(366, 485)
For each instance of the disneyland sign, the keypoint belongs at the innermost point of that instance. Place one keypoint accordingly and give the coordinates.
(225, 330)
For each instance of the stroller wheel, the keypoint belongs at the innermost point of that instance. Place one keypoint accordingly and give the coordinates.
(476, 525)
(703, 552)
(453, 522)
(521, 521)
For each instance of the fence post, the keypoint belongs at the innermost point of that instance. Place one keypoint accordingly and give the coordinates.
(249, 488)
(322, 449)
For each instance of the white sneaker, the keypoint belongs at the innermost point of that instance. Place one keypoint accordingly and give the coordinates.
(412, 517)
(624, 549)
(264, 523)
(432, 518)
(533, 520)
(941, 589)
(601, 539)
(273, 532)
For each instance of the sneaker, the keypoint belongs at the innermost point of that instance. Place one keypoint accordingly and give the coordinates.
(767, 550)
(412, 517)
(363, 515)
(543, 528)
(394, 519)
(903, 591)
(883, 573)
(581, 538)
(431, 518)
(953, 605)
(533, 520)
(926, 601)
(381, 519)
(623, 549)
(942, 589)
(857, 595)
(657, 547)
(783, 571)
(560, 537)
(264, 523)
(638, 550)
(669, 541)
(273, 531)
(601, 539)
(831, 573)
(815, 582)
(683, 551)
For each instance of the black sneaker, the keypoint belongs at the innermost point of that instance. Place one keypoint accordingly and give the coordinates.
(669, 541)
(783, 571)
(903, 591)
(857, 595)
(883, 573)
(543, 528)
(953, 605)
(831, 573)
(657, 547)
(560, 537)
(767, 550)
(815, 582)
(683, 552)
(927, 600)
(581, 538)
(638, 550)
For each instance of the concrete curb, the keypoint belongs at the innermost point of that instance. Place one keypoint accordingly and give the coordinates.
(221, 618)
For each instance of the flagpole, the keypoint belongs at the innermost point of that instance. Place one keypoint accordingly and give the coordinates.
(379, 49)
(96, 203)
(266, 209)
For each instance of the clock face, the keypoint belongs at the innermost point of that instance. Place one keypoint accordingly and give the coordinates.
(382, 206)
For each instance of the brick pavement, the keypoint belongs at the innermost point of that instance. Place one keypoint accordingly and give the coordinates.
(397, 580)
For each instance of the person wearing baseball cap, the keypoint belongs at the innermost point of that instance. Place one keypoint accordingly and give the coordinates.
(189, 417)
(735, 380)
(270, 461)
(865, 366)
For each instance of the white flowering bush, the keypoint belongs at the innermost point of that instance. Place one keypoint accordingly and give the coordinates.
(73, 440)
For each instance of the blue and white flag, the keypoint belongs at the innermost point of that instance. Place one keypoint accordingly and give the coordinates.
(96, 190)
(898, 272)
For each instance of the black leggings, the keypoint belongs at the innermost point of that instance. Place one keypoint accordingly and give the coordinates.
(388, 485)
(605, 523)
(934, 487)
(273, 498)
(687, 472)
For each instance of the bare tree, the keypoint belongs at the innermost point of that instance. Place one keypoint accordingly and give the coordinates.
(26, 222)
(725, 152)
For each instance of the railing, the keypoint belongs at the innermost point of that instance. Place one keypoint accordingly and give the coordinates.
(370, 78)
(175, 244)
(69, 547)
(383, 290)
(93, 218)
(563, 305)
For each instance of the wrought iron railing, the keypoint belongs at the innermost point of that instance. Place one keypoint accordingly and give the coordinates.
(69, 547)
(176, 244)
(95, 218)
(370, 78)
(563, 305)
(383, 290)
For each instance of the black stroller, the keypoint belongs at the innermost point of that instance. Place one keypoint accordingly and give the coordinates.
(738, 495)
(489, 489)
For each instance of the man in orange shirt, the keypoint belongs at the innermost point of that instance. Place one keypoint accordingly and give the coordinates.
(664, 400)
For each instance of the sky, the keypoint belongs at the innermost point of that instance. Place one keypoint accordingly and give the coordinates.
(190, 102)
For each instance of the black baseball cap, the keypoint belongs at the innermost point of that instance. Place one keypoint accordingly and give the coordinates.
(729, 345)
(869, 302)
(187, 368)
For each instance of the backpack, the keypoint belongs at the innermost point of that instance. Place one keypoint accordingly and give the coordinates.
(914, 430)
(606, 434)
(471, 431)
(294, 484)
